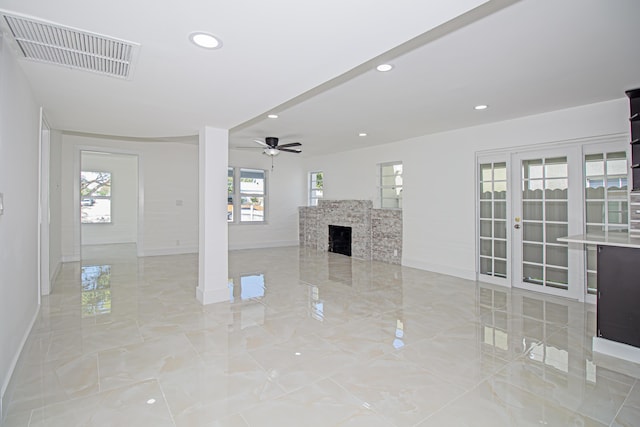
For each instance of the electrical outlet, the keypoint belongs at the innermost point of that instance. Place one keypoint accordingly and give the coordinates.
(395, 252)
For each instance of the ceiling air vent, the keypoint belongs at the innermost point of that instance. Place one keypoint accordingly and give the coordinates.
(56, 44)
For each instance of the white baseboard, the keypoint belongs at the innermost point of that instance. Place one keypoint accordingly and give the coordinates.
(179, 250)
(54, 274)
(263, 245)
(437, 268)
(71, 258)
(212, 296)
(616, 349)
(14, 363)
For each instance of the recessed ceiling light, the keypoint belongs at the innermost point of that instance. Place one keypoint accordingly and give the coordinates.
(205, 40)
(481, 107)
(362, 134)
(272, 116)
(384, 67)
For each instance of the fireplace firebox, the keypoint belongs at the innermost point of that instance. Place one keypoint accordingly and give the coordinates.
(340, 239)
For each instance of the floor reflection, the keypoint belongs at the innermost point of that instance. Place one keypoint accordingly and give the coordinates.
(251, 286)
(96, 290)
(316, 305)
(554, 338)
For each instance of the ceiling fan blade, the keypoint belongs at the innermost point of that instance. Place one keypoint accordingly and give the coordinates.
(297, 150)
(292, 144)
(264, 144)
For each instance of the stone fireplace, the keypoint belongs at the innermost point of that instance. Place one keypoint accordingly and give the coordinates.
(376, 234)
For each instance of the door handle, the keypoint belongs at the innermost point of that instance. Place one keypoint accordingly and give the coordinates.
(517, 226)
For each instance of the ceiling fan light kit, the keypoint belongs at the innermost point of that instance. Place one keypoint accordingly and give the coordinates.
(271, 152)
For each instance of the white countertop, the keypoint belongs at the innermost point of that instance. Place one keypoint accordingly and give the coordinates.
(607, 239)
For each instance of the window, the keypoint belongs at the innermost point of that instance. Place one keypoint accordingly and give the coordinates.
(231, 191)
(316, 186)
(95, 197)
(246, 195)
(606, 206)
(391, 185)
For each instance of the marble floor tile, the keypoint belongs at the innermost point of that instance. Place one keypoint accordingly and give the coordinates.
(135, 405)
(494, 403)
(399, 390)
(629, 414)
(320, 404)
(573, 387)
(150, 359)
(217, 389)
(308, 339)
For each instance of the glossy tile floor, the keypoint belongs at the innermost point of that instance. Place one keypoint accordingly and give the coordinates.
(309, 339)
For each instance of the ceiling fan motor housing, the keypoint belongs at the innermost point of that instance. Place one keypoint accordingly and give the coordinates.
(271, 141)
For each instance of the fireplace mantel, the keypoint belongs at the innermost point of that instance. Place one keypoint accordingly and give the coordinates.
(376, 233)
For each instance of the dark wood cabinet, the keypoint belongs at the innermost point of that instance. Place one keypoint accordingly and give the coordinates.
(619, 294)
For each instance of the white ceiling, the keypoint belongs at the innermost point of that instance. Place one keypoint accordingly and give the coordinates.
(312, 63)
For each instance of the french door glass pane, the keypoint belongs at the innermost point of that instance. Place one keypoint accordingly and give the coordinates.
(557, 255)
(500, 229)
(532, 232)
(485, 210)
(557, 211)
(532, 253)
(500, 248)
(557, 277)
(554, 231)
(485, 247)
(595, 212)
(500, 209)
(532, 211)
(532, 273)
(500, 268)
(485, 228)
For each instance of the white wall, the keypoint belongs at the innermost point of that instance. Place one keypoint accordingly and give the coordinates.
(169, 176)
(123, 227)
(439, 181)
(286, 191)
(19, 133)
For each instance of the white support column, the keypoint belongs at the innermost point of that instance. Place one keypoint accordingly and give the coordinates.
(213, 275)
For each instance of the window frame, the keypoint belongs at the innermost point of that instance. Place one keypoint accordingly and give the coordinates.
(382, 187)
(234, 193)
(311, 188)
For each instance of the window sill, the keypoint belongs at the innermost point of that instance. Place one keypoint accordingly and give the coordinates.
(248, 223)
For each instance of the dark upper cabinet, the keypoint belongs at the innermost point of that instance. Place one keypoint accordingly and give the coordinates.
(634, 120)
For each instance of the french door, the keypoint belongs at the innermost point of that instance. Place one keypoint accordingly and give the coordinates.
(528, 199)
(547, 204)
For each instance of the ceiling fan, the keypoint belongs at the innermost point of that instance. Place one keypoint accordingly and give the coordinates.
(271, 147)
